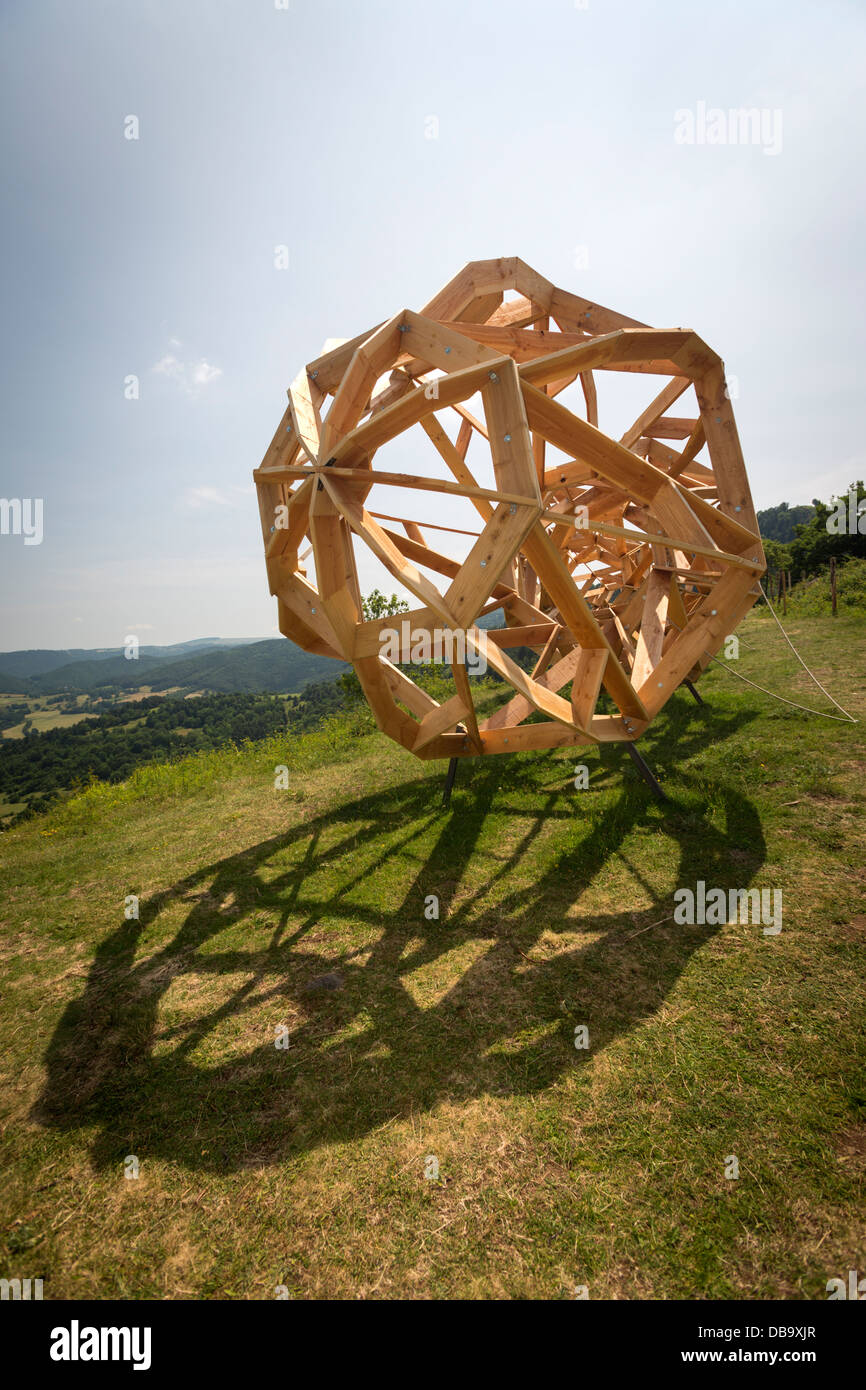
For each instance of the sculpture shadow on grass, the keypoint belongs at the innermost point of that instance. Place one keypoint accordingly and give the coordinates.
(347, 891)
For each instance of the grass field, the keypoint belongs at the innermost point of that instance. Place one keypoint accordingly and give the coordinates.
(454, 1039)
(40, 713)
(42, 720)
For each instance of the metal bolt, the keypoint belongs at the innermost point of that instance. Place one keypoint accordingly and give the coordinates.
(713, 612)
(493, 376)
(273, 529)
(484, 564)
(314, 374)
(513, 508)
(404, 328)
(507, 438)
(738, 509)
(447, 349)
(312, 610)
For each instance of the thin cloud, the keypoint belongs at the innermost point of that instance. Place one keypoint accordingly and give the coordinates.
(203, 372)
(205, 497)
(189, 376)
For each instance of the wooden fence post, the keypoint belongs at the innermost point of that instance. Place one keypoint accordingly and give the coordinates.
(833, 583)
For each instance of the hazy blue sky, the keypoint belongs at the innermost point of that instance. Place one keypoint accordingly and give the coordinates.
(308, 126)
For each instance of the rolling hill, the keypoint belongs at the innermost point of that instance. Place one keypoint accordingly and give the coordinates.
(272, 666)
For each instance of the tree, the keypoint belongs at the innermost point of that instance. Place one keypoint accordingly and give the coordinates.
(830, 534)
(376, 605)
(779, 523)
(779, 557)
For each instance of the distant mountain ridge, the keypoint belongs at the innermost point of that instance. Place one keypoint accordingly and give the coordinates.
(39, 660)
(233, 665)
(229, 665)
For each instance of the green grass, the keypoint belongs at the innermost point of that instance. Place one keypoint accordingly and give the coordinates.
(451, 1038)
(812, 597)
(44, 719)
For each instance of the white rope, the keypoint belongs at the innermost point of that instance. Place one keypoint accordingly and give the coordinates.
(849, 718)
(800, 659)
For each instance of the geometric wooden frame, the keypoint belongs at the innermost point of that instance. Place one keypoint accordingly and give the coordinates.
(623, 565)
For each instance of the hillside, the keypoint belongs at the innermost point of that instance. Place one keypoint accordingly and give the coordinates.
(780, 523)
(39, 661)
(230, 666)
(271, 666)
(430, 1129)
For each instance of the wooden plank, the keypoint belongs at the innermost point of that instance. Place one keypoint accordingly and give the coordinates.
(464, 691)
(440, 345)
(586, 684)
(645, 349)
(606, 528)
(394, 722)
(650, 639)
(532, 635)
(485, 562)
(369, 361)
(655, 410)
(336, 576)
(723, 442)
(328, 370)
(554, 574)
(453, 458)
(535, 694)
(304, 401)
(440, 720)
(285, 540)
(385, 548)
(546, 656)
(387, 424)
(371, 476)
(577, 437)
(706, 627)
(575, 311)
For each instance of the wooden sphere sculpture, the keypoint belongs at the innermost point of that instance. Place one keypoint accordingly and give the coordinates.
(622, 563)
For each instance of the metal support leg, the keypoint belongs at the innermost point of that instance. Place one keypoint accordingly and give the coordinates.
(690, 687)
(449, 781)
(645, 772)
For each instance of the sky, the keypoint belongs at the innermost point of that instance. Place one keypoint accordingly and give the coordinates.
(383, 144)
